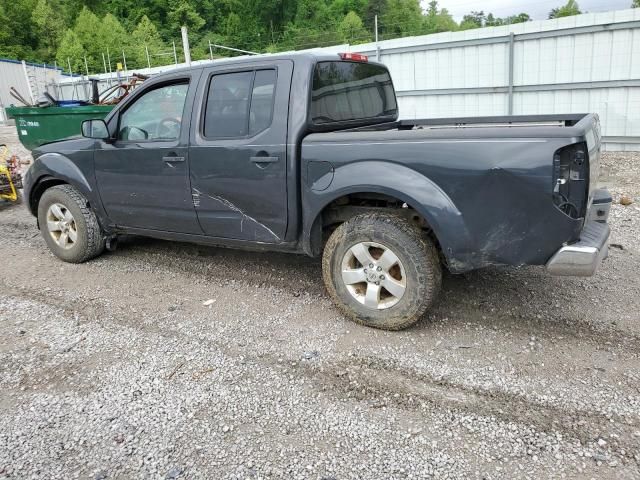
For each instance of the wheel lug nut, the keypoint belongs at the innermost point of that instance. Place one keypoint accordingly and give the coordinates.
(371, 265)
(377, 283)
(379, 268)
(365, 270)
(381, 277)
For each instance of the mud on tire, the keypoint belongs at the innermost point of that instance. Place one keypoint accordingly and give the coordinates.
(417, 269)
(89, 240)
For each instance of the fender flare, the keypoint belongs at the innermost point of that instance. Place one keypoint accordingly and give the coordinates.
(408, 186)
(55, 167)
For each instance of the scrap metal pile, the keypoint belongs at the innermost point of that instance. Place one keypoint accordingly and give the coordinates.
(10, 175)
(110, 96)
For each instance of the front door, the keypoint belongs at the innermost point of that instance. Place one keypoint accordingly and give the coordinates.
(238, 151)
(143, 176)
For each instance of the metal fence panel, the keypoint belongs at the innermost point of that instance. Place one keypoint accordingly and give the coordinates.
(585, 63)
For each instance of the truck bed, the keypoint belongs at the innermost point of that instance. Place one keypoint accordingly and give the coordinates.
(510, 125)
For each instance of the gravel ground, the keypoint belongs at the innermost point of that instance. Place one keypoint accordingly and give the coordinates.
(116, 369)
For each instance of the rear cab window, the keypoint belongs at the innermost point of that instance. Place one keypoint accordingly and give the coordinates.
(351, 93)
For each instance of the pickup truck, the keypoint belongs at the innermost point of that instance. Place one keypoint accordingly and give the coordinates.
(304, 153)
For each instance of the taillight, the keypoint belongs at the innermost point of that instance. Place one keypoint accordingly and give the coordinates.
(356, 57)
(571, 180)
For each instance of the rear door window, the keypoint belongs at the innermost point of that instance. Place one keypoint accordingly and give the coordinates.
(239, 104)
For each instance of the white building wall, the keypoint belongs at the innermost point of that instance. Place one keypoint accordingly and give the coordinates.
(563, 59)
(31, 82)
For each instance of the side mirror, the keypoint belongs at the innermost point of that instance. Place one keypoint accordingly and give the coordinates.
(95, 129)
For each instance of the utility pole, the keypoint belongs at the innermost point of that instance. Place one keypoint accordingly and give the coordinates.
(124, 61)
(185, 46)
(86, 67)
(110, 72)
(210, 50)
(375, 19)
(175, 55)
(146, 49)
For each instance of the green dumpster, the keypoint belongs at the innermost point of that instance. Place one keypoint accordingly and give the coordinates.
(42, 125)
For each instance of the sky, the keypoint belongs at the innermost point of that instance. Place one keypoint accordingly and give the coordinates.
(539, 10)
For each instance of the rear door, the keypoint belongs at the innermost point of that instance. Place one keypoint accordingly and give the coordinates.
(238, 151)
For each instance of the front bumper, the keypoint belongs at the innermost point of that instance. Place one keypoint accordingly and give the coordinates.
(581, 259)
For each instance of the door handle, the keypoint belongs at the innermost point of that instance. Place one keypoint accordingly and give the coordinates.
(264, 159)
(173, 159)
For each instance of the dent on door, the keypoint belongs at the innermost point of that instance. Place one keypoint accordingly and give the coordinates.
(238, 153)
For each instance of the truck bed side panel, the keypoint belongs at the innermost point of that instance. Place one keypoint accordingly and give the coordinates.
(499, 181)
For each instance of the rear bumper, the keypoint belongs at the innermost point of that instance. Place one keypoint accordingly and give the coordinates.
(581, 259)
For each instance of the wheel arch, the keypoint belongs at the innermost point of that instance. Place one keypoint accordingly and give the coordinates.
(405, 185)
(53, 169)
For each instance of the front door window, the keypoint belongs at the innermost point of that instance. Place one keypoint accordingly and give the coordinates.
(156, 115)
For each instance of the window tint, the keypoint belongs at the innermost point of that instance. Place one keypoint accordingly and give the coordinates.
(347, 91)
(156, 115)
(227, 111)
(239, 104)
(262, 101)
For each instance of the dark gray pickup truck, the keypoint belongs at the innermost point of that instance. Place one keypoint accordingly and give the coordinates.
(304, 153)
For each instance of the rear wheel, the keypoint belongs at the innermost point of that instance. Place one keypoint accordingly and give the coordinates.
(381, 271)
(68, 225)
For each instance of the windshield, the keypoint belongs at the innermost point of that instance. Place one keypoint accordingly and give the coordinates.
(351, 91)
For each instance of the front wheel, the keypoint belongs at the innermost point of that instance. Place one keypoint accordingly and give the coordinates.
(381, 271)
(68, 225)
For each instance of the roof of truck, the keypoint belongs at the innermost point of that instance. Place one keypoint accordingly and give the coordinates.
(298, 57)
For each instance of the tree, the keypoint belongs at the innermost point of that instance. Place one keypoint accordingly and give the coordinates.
(373, 8)
(22, 41)
(520, 18)
(569, 9)
(438, 21)
(113, 38)
(71, 51)
(473, 20)
(145, 36)
(183, 13)
(87, 29)
(402, 18)
(352, 30)
(49, 28)
(635, 4)
(492, 21)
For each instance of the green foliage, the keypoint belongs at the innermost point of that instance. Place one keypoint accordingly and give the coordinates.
(145, 37)
(402, 18)
(352, 30)
(44, 30)
(473, 20)
(183, 13)
(71, 51)
(48, 26)
(437, 21)
(571, 8)
(635, 4)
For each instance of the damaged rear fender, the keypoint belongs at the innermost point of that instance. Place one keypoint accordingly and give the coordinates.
(405, 184)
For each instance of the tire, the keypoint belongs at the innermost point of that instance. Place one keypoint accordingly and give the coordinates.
(83, 225)
(417, 269)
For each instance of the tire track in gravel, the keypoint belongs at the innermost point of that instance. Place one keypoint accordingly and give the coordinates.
(380, 382)
(367, 378)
